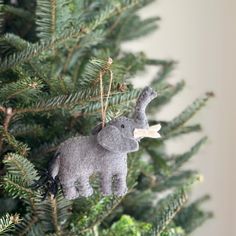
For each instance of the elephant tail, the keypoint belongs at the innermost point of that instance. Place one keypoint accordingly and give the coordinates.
(54, 166)
(49, 178)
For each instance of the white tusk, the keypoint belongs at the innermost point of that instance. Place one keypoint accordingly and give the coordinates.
(151, 132)
(155, 127)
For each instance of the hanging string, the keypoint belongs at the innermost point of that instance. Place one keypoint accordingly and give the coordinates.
(104, 108)
(109, 91)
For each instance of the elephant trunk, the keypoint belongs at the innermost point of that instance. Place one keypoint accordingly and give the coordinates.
(146, 96)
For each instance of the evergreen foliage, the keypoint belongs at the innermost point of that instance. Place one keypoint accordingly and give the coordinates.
(7, 223)
(52, 53)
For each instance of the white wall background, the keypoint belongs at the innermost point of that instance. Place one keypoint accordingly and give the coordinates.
(201, 35)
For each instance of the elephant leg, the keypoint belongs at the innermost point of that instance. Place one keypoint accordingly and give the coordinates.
(106, 184)
(69, 190)
(85, 189)
(120, 184)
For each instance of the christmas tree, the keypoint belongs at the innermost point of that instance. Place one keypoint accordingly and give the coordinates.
(53, 54)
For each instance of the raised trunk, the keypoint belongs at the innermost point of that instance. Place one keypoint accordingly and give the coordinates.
(146, 96)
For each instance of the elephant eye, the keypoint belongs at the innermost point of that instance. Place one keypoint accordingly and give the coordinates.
(122, 126)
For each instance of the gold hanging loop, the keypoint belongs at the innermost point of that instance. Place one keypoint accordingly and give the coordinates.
(104, 108)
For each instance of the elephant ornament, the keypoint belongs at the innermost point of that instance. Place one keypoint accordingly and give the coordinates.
(104, 152)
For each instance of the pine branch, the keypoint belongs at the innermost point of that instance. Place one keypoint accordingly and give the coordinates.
(26, 54)
(127, 225)
(55, 213)
(79, 98)
(168, 210)
(180, 160)
(81, 48)
(168, 92)
(46, 18)
(25, 88)
(22, 13)
(21, 130)
(28, 223)
(57, 228)
(115, 100)
(14, 186)
(1, 16)
(75, 33)
(91, 74)
(98, 213)
(7, 223)
(133, 27)
(176, 180)
(8, 115)
(17, 181)
(191, 217)
(183, 130)
(19, 166)
(58, 102)
(186, 114)
(157, 62)
(166, 68)
(20, 175)
(11, 43)
(45, 216)
(20, 147)
(173, 231)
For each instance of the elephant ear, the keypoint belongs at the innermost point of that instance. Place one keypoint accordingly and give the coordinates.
(111, 139)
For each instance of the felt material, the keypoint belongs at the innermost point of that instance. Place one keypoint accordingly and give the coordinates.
(146, 96)
(104, 153)
(112, 139)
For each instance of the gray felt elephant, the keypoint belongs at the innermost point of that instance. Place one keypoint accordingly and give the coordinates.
(104, 153)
